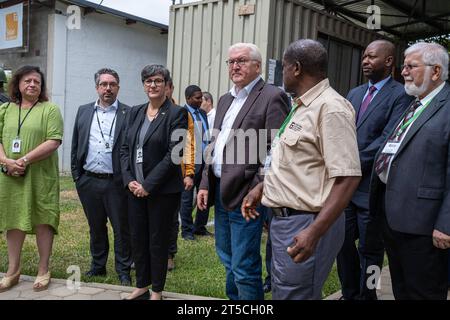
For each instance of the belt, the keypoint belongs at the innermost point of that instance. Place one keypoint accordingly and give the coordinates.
(100, 175)
(286, 212)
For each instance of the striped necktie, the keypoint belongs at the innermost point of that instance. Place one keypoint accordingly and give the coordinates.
(383, 160)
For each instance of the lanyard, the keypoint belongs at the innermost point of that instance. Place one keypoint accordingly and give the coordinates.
(287, 120)
(110, 129)
(21, 122)
(416, 115)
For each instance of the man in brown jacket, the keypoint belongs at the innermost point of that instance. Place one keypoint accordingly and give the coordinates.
(245, 117)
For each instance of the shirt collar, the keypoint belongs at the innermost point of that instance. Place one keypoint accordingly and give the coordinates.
(114, 106)
(311, 95)
(247, 89)
(432, 94)
(191, 109)
(379, 84)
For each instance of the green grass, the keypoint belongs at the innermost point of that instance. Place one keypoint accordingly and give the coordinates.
(198, 270)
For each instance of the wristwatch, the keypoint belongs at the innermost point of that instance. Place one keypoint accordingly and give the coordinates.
(25, 159)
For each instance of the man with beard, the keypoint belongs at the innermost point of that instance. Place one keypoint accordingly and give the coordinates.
(97, 138)
(378, 105)
(410, 186)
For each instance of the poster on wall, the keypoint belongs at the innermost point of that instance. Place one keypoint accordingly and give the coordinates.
(11, 27)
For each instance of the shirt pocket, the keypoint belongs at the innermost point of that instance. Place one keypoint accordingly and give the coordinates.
(290, 138)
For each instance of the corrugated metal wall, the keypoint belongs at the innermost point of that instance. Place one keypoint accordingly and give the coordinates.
(201, 32)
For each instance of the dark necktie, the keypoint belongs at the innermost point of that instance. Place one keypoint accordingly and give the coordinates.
(199, 125)
(383, 160)
(366, 102)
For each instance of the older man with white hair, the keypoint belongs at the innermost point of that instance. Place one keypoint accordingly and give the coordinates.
(410, 187)
(251, 106)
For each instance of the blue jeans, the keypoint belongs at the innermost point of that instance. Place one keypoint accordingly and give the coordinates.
(238, 245)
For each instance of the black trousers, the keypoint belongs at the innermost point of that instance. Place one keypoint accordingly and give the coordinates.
(188, 226)
(103, 199)
(418, 269)
(352, 260)
(150, 220)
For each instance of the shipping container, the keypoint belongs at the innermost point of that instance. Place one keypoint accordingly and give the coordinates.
(200, 34)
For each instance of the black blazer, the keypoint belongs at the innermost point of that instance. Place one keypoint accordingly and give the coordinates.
(80, 139)
(161, 174)
(418, 188)
(382, 113)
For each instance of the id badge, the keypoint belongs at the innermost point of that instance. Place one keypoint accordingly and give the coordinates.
(391, 147)
(108, 147)
(16, 144)
(139, 156)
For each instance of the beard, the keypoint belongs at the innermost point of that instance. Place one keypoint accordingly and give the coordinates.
(413, 90)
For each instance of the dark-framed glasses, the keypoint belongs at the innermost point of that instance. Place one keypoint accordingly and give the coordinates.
(156, 82)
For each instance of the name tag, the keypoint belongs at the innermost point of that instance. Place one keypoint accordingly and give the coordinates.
(391, 147)
(16, 144)
(139, 156)
(108, 148)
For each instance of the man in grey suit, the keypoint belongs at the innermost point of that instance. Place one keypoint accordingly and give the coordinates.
(410, 185)
(378, 105)
(251, 107)
(96, 142)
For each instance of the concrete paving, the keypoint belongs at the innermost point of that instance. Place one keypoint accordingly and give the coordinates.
(58, 290)
(385, 291)
(98, 291)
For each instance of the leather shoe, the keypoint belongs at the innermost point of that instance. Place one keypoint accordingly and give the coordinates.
(188, 236)
(125, 280)
(204, 233)
(144, 296)
(95, 273)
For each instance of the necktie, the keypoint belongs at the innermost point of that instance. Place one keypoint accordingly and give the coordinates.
(383, 160)
(199, 125)
(366, 102)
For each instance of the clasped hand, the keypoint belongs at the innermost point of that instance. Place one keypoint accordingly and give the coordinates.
(15, 167)
(137, 189)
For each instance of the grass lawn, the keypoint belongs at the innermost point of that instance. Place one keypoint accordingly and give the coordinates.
(198, 270)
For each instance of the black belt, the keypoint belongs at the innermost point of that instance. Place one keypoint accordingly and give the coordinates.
(286, 212)
(100, 175)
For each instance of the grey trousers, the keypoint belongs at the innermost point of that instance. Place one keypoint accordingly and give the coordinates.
(302, 281)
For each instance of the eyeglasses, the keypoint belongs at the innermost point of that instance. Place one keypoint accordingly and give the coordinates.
(105, 85)
(156, 82)
(413, 66)
(240, 62)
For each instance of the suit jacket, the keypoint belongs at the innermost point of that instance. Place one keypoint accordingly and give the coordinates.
(417, 198)
(382, 113)
(162, 174)
(80, 139)
(198, 157)
(266, 107)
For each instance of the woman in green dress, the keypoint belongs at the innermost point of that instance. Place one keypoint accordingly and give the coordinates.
(31, 130)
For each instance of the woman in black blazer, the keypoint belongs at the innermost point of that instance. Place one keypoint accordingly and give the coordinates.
(150, 159)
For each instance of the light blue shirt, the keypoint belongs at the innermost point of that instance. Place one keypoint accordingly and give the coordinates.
(98, 160)
(378, 85)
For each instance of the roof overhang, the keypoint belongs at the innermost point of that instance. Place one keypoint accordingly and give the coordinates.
(406, 20)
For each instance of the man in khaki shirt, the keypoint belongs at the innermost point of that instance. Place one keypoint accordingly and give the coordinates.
(310, 177)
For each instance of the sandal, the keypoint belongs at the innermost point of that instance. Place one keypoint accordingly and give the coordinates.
(9, 282)
(42, 282)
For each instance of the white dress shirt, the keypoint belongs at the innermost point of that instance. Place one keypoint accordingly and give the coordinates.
(232, 112)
